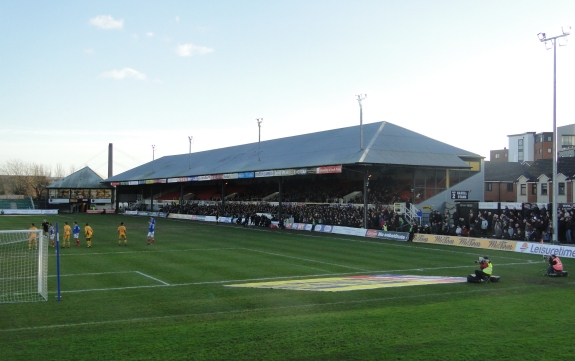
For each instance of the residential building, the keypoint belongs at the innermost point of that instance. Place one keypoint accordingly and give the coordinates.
(529, 182)
(500, 155)
(531, 146)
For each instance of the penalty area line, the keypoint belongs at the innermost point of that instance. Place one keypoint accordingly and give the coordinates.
(153, 278)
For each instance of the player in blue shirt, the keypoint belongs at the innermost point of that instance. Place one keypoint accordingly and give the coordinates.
(151, 228)
(76, 233)
(52, 234)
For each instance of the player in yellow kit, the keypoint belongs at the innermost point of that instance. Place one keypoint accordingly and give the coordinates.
(67, 233)
(32, 237)
(122, 234)
(88, 232)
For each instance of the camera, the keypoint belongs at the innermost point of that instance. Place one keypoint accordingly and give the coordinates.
(545, 258)
(482, 259)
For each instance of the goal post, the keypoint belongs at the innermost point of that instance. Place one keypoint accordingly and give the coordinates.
(23, 266)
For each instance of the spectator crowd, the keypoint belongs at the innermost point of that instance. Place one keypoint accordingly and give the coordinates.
(382, 217)
(303, 203)
(533, 225)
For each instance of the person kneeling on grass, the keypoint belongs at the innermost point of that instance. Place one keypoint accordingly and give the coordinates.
(485, 269)
(555, 265)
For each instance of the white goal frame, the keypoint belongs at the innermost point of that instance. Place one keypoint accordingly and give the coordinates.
(23, 269)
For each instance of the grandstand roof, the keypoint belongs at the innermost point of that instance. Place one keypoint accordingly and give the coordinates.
(383, 144)
(84, 178)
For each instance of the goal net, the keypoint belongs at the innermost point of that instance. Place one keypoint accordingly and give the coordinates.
(23, 266)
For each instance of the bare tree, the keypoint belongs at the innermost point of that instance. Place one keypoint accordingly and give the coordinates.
(59, 172)
(2, 184)
(27, 179)
(39, 179)
(16, 180)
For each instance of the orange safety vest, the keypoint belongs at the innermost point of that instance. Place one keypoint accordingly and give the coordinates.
(558, 266)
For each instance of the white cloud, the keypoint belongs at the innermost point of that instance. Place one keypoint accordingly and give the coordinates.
(124, 73)
(150, 34)
(177, 19)
(107, 22)
(89, 51)
(191, 49)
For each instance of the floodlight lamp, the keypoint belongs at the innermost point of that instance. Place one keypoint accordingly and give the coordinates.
(566, 30)
(548, 45)
(541, 36)
(563, 41)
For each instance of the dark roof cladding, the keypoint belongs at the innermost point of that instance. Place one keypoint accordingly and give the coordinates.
(84, 178)
(383, 143)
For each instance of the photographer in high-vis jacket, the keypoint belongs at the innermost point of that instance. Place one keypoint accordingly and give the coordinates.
(485, 268)
(555, 265)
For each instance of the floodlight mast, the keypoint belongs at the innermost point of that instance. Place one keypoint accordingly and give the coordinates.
(553, 40)
(153, 155)
(190, 157)
(361, 97)
(259, 120)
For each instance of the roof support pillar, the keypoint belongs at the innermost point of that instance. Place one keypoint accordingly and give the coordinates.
(280, 200)
(365, 187)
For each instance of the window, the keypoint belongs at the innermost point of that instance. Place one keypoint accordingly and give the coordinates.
(475, 166)
(534, 189)
(549, 138)
(567, 141)
(505, 155)
(543, 189)
(497, 155)
(488, 186)
(523, 189)
(549, 150)
(561, 189)
(540, 151)
(509, 187)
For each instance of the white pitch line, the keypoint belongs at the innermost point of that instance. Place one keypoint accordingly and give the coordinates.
(262, 309)
(303, 259)
(90, 274)
(308, 267)
(139, 252)
(155, 279)
(113, 289)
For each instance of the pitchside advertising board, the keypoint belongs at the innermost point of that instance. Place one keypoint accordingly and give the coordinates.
(29, 211)
(545, 249)
(321, 228)
(497, 244)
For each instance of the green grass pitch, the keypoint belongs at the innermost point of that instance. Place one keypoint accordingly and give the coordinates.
(170, 301)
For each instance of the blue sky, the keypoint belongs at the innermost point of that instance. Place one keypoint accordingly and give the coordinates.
(78, 75)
